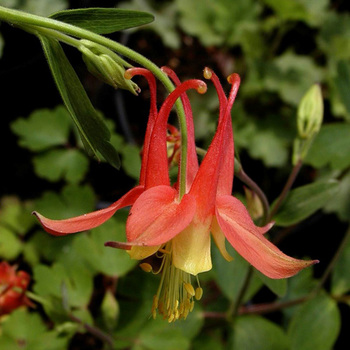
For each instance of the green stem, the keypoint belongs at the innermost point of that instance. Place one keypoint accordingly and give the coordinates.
(255, 188)
(286, 188)
(21, 19)
(233, 312)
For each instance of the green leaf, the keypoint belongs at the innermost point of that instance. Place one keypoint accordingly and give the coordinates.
(70, 165)
(208, 342)
(165, 25)
(340, 204)
(316, 325)
(331, 146)
(230, 276)
(14, 214)
(304, 201)
(299, 286)
(73, 201)
(103, 20)
(334, 37)
(309, 11)
(341, 273)
(257, 333)
(291, 75)
(193, 324)
(92, 129)
(342, 82)
(269, 147)
(277, 286)
(27, 328)
(43, 129)
(51, 282)
(157, 335)
(10, 245)
(131, 160)
(109, 261)
(219, 22)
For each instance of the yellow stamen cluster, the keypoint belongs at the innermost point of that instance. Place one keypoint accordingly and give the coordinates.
(175, 296)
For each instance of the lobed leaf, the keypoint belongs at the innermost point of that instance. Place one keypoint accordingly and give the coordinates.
(10, 245)
(24, 327)
(70, 165)
(91, 249)
(43, 129)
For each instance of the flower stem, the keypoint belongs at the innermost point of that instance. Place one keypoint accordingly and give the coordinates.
(98, 333)
(254, 187)
(286, 188)
(55, 29)
(233, 311)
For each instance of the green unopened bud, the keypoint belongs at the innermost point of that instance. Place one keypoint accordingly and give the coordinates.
(310, 113)
(106, 66)
(309, 120)
(110, 309)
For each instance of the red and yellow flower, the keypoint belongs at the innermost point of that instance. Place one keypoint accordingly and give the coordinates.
(13, 285)
(179, 227)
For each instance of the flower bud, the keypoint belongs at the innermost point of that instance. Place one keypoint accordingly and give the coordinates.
(309, 120)
(110, 309)
(310, 113)
(106, 66)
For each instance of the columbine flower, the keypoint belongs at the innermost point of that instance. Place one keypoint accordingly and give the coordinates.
(178, 228)
(157, 215)
(13, 286)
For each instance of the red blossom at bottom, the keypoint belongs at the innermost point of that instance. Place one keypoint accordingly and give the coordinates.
(13, 285)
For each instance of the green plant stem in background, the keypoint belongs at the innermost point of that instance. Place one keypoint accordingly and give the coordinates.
(54, 29)
(254, 187)
(233, 311)
(286, 189)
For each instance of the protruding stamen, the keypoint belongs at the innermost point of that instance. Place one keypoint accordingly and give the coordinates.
(189, 288)
(128, 75)
(175, 296)
(146, 267)
(199, 293)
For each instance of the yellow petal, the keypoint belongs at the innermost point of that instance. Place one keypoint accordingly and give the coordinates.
(220, 239)
(142, 252)
(191, 248)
